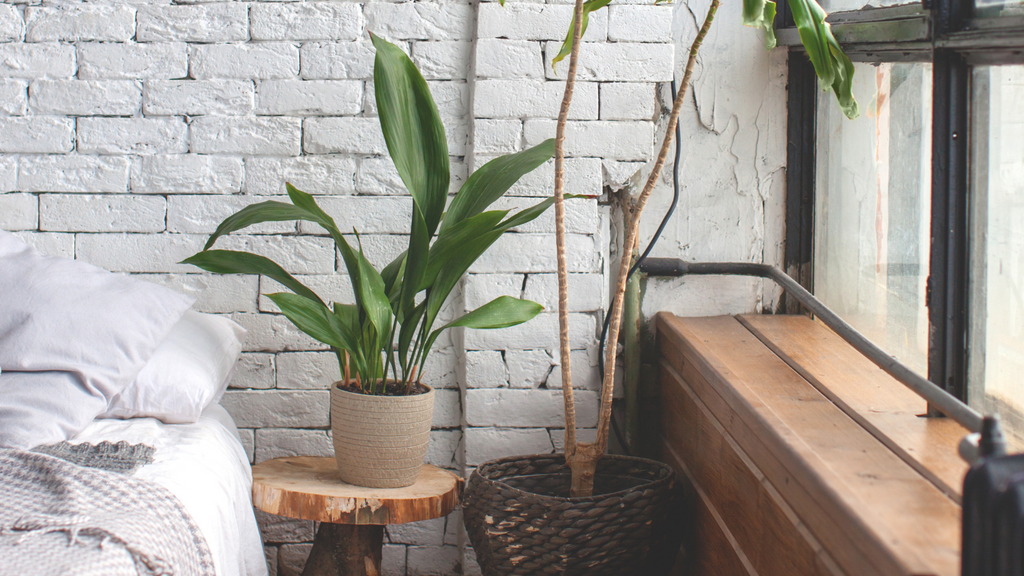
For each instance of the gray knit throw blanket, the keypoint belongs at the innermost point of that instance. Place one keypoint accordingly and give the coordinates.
(121, 457)
(58, 518)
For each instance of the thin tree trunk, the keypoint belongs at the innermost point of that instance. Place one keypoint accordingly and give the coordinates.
(563, 278)
(632, 227)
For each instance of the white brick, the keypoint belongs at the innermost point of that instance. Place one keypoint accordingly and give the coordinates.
(71, 23)
(432, 561)
(533, 98)
(508, 59)
(186, 173)
(582, 215)
(424, 533)
(420, 21)
(539, 333)
(616, 62)
(306, 21)
(519, 21)
(104, 213)
(483, 444)
(86, 97)
(19, 212)
(254, 370)
(479, 289)
(132, 61)
(248, 438)
(214, 294)
(528, 368)
(307, 370)
(452, 100)
(8, 173)
(536, 253)
(337, 60)
(271, 443)
(309, 97)
(443, 363)
(316, 175)
(296, 254)
(198, 97)
(447, 409)
(262, 60)
(527, 408)
(138, 252)
(605, 139)
(582, 176)
(584, 371)
(586, 291)
(73, 174)
(369, 215)
(442, 449)
(486, 369)
(380, 250)
(13, 97)
(256, 136)
(201, 23)
(274, 333)
(628, 101)
(132, 136)
(277, 408)
(640, 24)
(618, 175)
(11, 24)
(497, 136)
(443, 60)
(582, 435)
(49, 243)
(281, 529)
(202, 214)
(39, 134)
(392, 559)
(378, 176)
(344, 136)
(37, 60)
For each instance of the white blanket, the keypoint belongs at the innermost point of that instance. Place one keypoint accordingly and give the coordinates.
(204, 465)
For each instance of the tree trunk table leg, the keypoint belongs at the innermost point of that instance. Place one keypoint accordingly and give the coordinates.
(345, 550)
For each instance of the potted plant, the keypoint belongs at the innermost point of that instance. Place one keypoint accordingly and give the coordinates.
(585, 512)
(381, 417)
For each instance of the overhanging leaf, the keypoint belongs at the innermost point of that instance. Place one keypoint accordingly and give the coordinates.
(761, 14)
(269, 211)
(502, 312)
(833, 68)
(234, 262)
(313, 318)
(566, 49)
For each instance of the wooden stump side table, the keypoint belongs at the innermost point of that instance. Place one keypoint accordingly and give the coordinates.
(352, 518)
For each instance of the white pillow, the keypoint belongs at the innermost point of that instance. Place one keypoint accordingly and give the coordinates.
(189, 371)
(72, 336)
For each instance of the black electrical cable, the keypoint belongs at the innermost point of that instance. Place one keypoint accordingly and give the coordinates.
(636, 265)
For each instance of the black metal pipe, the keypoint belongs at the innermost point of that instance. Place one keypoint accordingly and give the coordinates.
(935, 395)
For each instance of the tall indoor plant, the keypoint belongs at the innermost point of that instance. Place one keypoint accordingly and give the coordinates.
(509, 500)
(389, 330)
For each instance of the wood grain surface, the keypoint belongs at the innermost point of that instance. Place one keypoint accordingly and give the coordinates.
(309, 488)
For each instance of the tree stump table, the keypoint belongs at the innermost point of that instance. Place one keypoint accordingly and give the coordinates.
(352, 518)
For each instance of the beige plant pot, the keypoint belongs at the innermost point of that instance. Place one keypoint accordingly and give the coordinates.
(380, 441)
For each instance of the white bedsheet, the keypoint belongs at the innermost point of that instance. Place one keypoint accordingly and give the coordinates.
(204, 465)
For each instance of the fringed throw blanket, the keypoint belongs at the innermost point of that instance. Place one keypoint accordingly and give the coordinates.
(58, 518)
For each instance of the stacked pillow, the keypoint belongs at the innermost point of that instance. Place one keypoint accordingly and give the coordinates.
(77, 342)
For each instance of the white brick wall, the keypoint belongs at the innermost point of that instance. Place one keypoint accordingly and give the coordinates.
(129, 129)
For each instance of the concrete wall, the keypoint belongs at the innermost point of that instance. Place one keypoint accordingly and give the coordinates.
(129, 129)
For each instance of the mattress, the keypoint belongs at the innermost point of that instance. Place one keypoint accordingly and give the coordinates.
(204, 465)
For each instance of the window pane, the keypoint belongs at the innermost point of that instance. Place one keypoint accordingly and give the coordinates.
(872, 203)
(992, 8)
(831, 6)
(996, 336)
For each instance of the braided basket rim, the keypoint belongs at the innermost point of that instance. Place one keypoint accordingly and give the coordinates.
(667, 474)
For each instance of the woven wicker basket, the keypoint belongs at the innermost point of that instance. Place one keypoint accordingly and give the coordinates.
(521, 522)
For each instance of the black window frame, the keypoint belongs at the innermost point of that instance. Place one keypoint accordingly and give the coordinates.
(945, 33)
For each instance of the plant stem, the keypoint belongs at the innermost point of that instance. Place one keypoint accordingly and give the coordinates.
(632, 227)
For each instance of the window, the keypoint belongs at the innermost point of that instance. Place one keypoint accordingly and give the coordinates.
(909, 221)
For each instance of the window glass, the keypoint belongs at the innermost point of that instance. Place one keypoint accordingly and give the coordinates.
(992, 8)
(872, 205)
(996, 332)
(831, 6)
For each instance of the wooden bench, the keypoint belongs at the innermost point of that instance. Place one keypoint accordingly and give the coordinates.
(803, 457)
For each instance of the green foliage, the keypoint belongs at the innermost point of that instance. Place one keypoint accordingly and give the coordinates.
(403, 300)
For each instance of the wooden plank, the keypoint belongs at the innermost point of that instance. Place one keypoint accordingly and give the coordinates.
(764, 526)
(712, 551)
(870, 510)
(875, 400)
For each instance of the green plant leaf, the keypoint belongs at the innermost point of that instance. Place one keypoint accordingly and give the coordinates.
(391, 273)
(412, 130)
(459, 239)
(761, 14)
(502, 312)
(566, 49)
(493, 179)
(269, 211)
(415, 264)
(408, 330)
(313, 318)
(833, 68)
(234, 262)
(373, 298)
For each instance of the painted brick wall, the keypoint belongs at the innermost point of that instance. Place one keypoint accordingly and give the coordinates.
(129, 129)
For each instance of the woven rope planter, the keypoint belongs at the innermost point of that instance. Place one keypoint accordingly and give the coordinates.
(521, 523)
